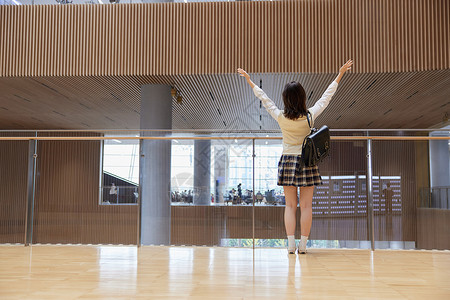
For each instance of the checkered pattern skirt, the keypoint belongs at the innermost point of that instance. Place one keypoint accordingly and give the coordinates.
(292, 172)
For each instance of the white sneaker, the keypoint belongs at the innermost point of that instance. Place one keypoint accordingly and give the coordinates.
(302, 246)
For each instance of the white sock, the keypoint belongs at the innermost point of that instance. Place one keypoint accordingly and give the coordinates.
(291, 242)
(302, 244)
(303, 241)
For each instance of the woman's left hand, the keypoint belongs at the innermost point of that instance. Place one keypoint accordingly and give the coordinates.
(347, 66)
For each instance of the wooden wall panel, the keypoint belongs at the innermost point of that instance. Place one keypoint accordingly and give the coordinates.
(217, 37)
(13, 191)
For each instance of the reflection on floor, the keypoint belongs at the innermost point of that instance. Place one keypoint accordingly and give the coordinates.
(86, 272)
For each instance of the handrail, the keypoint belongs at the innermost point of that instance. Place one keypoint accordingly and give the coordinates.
(102, 138)
(220, 130)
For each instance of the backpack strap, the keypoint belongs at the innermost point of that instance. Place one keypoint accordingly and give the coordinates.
(307, 118)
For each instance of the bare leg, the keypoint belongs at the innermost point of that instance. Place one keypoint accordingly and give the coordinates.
(306, 195)
(290, 193)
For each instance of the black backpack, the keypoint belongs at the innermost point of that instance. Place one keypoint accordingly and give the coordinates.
(316, 145)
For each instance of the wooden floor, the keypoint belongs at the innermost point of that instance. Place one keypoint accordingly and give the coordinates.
(106, 272)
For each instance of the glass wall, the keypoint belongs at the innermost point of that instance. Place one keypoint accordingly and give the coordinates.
(221, 191)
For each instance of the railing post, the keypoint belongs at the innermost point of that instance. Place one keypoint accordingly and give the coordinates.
(448, 199)
(139, 217)
(254, 197)
(369, 191)
(31, 191)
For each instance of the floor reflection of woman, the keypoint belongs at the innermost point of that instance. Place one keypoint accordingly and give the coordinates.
(292, 174)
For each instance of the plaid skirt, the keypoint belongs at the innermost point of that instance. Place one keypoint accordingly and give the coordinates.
(292, 172)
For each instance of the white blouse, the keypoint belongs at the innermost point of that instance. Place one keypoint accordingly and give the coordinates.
(295, 131)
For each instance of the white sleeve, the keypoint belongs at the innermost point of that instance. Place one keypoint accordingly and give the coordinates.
(322, 103)
(270, 106)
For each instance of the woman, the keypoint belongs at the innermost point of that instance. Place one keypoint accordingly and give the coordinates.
(291, 172)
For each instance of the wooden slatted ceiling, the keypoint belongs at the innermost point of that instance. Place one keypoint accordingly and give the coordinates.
(372, 100)
(214, 38)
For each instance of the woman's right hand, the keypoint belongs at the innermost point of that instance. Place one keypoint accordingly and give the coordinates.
(246, 76)
(243, 73)
(347, 66)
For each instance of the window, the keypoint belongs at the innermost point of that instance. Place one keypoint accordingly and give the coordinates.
(120, 176)
(182, 172)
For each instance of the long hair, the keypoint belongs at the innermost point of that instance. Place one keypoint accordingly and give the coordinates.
(294, 98)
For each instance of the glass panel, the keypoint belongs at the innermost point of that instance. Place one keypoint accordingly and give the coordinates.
(200, 192)
(67, 208)
(237, 191)
(13, 194)
(211, 192)
(433, 213)
(339, 205)
(399, 175)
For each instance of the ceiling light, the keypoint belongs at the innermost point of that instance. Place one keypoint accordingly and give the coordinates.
(173, 92)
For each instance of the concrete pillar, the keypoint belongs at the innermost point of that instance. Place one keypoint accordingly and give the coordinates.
(154, 168)
(202, 172)
(220, 172)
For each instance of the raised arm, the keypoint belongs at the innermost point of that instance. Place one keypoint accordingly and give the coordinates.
(347, 66)
(323, 102)
(269, 105)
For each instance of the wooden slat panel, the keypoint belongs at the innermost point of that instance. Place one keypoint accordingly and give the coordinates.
(216, 37)
(365, 100)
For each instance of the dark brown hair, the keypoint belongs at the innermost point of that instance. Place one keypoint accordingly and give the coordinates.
(294, 98)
